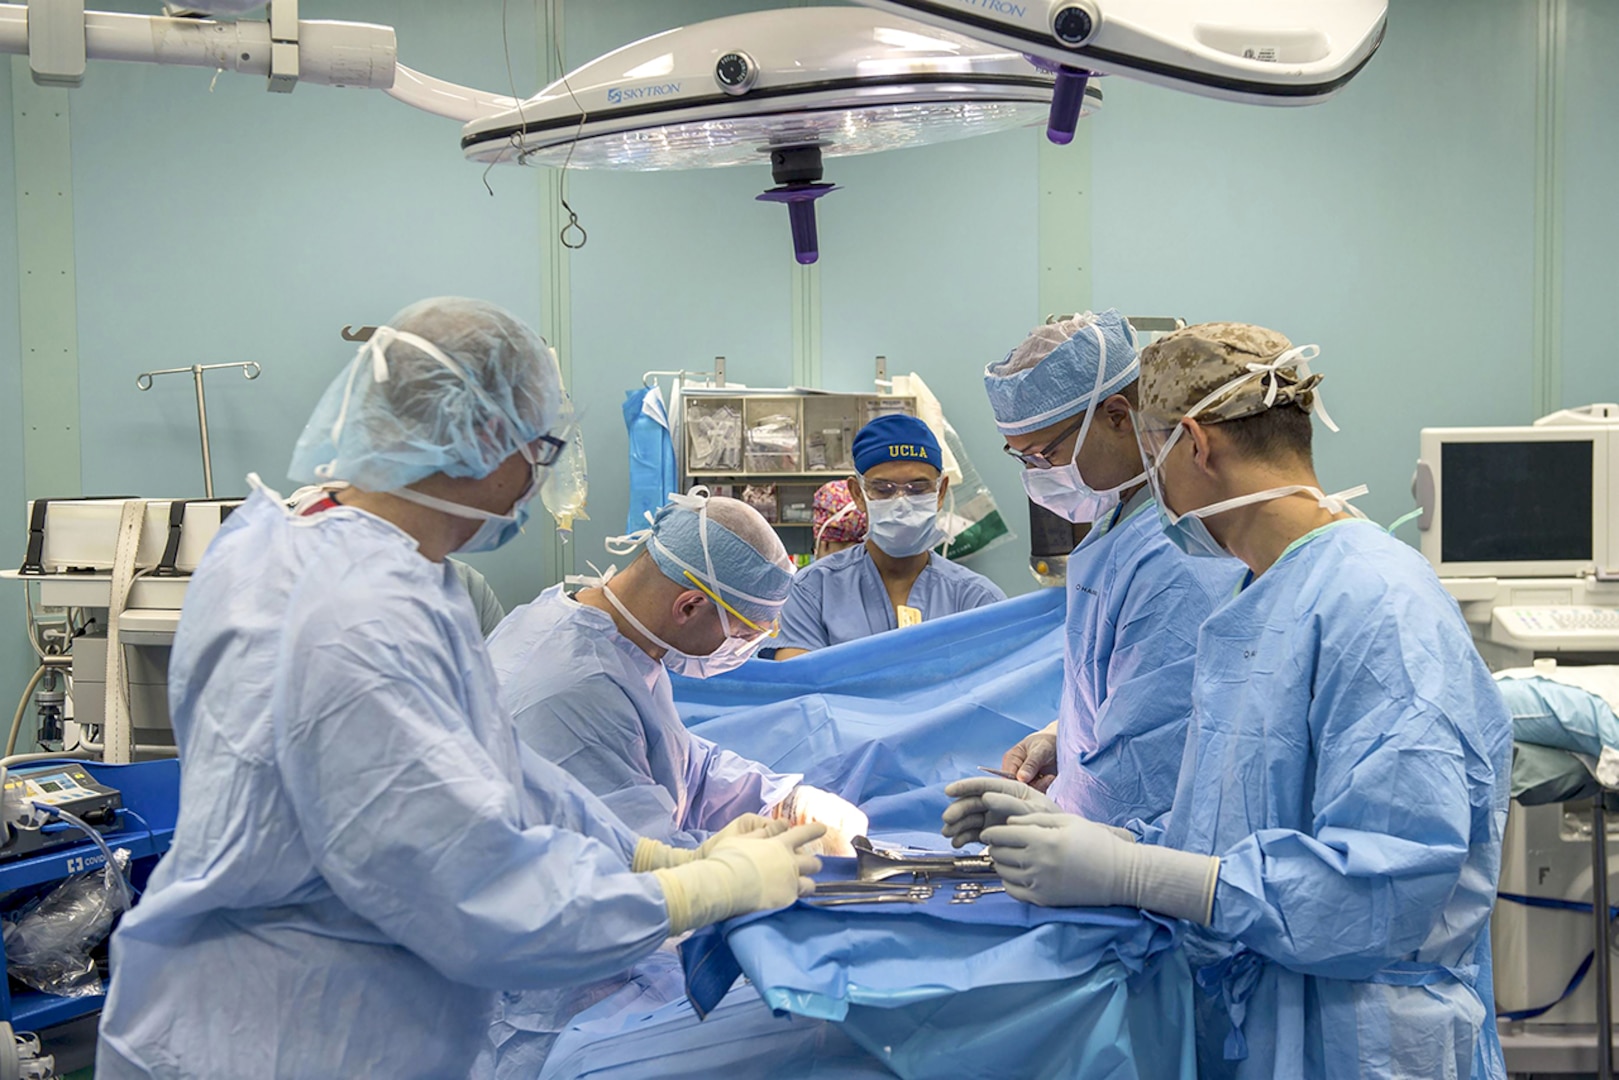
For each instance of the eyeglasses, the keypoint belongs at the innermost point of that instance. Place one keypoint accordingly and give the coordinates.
(888, 489)
(1041, 459)
(769, 631)
(546, 449)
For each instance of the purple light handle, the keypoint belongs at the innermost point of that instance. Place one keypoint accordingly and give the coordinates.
(806, 238)
(800, 200)
(1066, 103)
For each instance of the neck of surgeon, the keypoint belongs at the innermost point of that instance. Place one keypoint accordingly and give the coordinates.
(1258, 533)
(893, 568)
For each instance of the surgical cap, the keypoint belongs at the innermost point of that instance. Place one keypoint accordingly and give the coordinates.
(398, 413)
(752, 570)
(1181, 369)
(831, 500)
(895, 438)
(1052, 375)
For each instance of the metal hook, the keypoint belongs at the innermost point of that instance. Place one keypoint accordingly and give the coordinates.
(250, 370)
(570, 228)
(362, 334)
(650, 378)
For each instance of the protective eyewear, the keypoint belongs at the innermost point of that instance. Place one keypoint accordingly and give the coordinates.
(546, 449)
(769, 631)
(1041, 459)
(1155, 432)
(888, 489)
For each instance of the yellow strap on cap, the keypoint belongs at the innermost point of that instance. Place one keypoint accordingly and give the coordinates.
(712, 595)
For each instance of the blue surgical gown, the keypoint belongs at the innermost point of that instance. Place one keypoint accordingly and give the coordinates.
(1348, 761)
(589, 699)
(842, 598)
(1135, 602)
(365, 852)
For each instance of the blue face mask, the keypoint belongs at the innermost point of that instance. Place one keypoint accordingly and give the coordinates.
(494, 530)
(904, 526)
(1188, 533)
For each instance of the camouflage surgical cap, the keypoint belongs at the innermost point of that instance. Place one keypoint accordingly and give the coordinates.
(1236, 360)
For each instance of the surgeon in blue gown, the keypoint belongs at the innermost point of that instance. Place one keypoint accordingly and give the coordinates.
(1062, 401)
(1336, 833)
(895, 579)
(365, 852)
(586, 679)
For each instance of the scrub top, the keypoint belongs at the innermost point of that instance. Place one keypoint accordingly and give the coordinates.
(842, 598)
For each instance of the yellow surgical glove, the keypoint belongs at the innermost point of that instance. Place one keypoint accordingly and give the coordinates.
(656, 855)
(741, 874)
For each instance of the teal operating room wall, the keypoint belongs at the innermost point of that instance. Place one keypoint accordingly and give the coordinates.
(1590, 170)
(15, 655)
(1393, 225)
(1397, 225)
(220, 223)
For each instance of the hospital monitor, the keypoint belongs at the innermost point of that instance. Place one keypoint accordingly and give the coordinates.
(1521, 502)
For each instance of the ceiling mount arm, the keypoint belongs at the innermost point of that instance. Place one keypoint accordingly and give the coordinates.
(325, 52)
(283, 46)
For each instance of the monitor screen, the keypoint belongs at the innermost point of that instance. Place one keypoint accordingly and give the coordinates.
(1516, 501)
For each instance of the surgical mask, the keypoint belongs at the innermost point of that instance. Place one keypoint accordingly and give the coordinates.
(905, 525)
(735, 650)
(732, 653)
(1062, 490)
(494, 530)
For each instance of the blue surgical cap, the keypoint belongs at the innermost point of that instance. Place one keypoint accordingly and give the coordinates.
(895, 438)
(449, 386)
(1052, 375)
(751, 569)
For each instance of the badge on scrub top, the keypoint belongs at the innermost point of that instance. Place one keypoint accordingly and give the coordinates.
(909, 616)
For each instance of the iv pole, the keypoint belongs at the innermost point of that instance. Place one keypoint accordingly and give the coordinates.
(250, 370)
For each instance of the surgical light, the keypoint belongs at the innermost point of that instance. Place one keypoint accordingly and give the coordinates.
(1268, 52)
(790, 88)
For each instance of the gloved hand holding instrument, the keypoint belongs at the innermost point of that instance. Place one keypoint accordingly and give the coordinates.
(1063, 860)
(739, 874)
(971, 813)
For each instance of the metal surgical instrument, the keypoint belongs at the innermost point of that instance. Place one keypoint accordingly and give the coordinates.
(920, 894)
(880, 865)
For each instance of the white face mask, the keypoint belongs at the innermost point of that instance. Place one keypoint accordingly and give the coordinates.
(905, 525)
(735, 650)
(732, 653)
(1062, 490)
